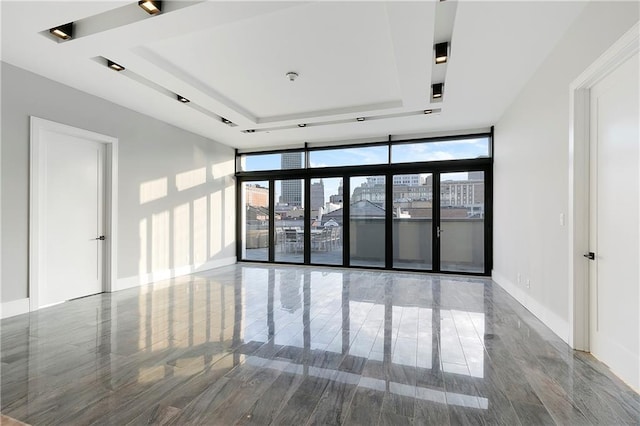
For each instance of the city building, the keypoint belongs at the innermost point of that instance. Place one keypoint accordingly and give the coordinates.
(291, 188)
(409, 180)
(337, 198)
(136, 288)
(257, 196)
(317, 195)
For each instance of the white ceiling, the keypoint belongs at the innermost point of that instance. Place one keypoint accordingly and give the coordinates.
(354, 59)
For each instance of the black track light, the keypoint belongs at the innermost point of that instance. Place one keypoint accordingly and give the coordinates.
(360, 119)
(225, 121)
(114, 66)
(436, 90)
(152, 7)
(63, 32)
(182, 99)
(442, 52)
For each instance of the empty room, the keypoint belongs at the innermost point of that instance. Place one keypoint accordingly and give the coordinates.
(320, 213)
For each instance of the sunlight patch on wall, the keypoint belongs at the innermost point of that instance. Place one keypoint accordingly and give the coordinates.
(153, 190)
(160, 249)
(228, 208)
(200, 233)
(191, 179)
(223, 169)
(181, 235)
(215, 223)
(142, 262)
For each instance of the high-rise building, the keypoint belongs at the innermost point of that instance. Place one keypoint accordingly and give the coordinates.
(317, 195)
(337, 198)
(291, 188)
(412, 180)
(256, 195)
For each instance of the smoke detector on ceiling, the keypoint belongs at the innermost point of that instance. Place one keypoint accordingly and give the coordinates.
(292, 75)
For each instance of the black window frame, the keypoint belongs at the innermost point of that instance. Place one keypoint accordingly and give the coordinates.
(389, 169)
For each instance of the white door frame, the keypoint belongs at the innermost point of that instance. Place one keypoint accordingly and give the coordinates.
(623, 49)
(37, 207)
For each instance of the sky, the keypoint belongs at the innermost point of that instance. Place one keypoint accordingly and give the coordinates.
(400, 153)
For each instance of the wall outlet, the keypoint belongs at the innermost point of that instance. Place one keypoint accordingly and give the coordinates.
(528, 283)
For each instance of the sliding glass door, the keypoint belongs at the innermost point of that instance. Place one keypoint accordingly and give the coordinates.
(413, 221)
(289, 221)
(255, 220)
(326, 221)
(421, 205)
(367, 218)
(462, 215)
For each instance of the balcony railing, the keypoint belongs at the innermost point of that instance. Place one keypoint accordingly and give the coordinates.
(461, 244)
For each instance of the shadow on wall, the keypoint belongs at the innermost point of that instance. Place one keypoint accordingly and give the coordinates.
(184, 225)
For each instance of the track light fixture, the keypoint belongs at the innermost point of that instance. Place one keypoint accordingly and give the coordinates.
(436, 90)
(302, 125)
(428, 111)
(114, 66)
(249, 131)
(360, 119)
(152, 7)
(442, 52)
(63, 32)
(225, 121)
(182, 99)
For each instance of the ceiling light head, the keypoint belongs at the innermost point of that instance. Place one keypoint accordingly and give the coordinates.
(302, 125)
(360, 119)
(437, 90)
(114, 66)
(249, 131)
(225, 121)
(63, 32)
(428, 111)
(442, 52)
(182, 99)
(291, 75)
(152, 7)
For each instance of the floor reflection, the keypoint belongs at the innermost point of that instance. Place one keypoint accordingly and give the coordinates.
(285, 345)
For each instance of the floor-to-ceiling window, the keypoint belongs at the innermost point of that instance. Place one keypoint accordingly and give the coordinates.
(289, 220)
(367, 221)
(326, 221)
(413, 221)
(462, 222)
(421, 205)
(255, 220)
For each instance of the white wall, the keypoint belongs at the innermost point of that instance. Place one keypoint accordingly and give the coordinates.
(176, 207)
(531, 175)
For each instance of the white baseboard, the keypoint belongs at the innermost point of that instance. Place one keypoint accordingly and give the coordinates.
(557, 324)
(151, 277)
(13, 308)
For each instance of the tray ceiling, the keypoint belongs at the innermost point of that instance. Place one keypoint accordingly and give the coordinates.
(353, 59)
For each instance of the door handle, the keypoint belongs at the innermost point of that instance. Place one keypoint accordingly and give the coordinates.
(438, 231)
(591, 255)
(101, 238)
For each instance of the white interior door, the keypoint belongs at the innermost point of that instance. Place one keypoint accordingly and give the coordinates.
(614, 222)
(73, 205)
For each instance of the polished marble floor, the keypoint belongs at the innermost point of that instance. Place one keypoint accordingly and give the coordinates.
(286, 345)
